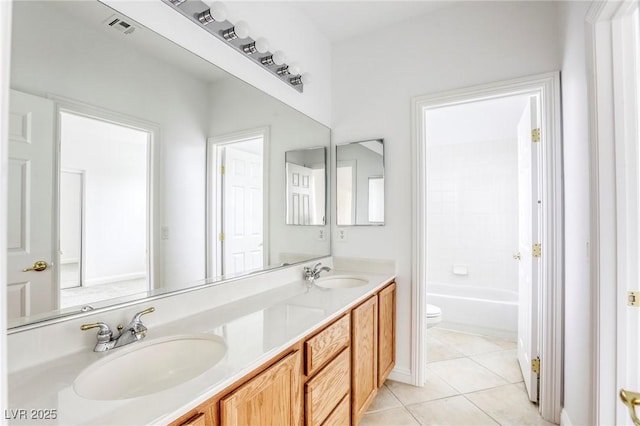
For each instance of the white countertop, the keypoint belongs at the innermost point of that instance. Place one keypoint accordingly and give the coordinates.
(255, 329)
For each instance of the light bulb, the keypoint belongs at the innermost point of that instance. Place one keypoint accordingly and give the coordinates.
(241, 29)
(218, 10)
(279, 58)
(294, 68)
(306, 78)
(262, 45)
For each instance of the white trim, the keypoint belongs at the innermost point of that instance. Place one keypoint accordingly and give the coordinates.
(5, 60)
(213, 204)
(547, 87)
(564, 418)
(612, 252)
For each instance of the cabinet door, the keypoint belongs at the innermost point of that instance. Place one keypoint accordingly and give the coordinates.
(386, 332)
(364, 349)
(273, 397)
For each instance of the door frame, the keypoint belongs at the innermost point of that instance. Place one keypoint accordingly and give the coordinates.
(154, 253)
(214, 203)
(611, 182)
(551, 288)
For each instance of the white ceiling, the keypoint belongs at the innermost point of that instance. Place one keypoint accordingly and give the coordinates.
(340, 20)
(491, 120)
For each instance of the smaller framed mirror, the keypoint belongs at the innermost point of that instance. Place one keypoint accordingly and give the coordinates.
(360, 183)
(306, 186)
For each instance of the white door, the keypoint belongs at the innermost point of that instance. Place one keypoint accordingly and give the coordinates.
(242, 211)
(527, 237)
(31, 140)
(627, 87)
(300, 190)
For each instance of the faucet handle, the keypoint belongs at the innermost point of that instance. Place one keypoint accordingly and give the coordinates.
(136, 317)
(104, 334)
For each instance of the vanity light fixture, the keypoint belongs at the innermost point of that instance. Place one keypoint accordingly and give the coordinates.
(304, 78)
(276, 58)
(216, 13)
(239, 30)
(261, 45)
(211, 16)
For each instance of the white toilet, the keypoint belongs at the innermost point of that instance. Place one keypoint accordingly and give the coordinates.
(434, 315)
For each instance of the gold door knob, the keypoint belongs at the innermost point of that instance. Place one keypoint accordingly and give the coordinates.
(517, 256)
(631, 400)
(38, 266)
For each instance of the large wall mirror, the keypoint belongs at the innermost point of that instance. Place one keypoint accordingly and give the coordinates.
(360, 183)
(136, 168)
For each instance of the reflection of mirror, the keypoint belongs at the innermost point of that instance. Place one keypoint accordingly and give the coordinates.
(360, 183)
(132, 204)
(306, 180)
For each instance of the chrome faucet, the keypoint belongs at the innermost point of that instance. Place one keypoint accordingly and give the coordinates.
(311, 274)
(133, 332)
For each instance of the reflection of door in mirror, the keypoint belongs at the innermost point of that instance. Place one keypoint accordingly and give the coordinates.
(31, 138)
(346, 192)
(104, 209)
(237, 194)
(305, 175)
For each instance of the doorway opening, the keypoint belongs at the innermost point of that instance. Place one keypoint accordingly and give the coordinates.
(237, 194)
(528, 251)
(104, 207)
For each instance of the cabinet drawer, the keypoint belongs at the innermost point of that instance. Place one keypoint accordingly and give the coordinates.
(325, 345)
(341, 416)
(324, 392)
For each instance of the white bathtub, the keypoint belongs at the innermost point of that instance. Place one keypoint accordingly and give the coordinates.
(486, 311)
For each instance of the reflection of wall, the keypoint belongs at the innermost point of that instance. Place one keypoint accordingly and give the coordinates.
(368, 164)
(113, 159)
(103, 71)
(245, 108)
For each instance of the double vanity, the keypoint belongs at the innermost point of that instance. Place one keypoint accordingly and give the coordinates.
(296, 353)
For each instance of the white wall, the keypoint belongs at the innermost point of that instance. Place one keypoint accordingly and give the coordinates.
(286, 29)
(374, 78)
(5, 43)
(472, 213)
(114, 160)
(578, 334)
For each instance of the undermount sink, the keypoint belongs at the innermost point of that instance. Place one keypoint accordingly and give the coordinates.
(341, 281)
(149, 367)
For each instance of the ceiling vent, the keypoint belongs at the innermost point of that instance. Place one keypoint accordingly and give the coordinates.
(120, 24)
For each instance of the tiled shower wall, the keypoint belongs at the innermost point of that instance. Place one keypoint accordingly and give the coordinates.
(472, 212)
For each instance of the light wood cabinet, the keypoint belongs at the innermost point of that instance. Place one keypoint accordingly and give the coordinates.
(364, 349)
(344, 365)
(328, 343)
(386, 332)
(273, 397)
(324, 392)
(203, 415)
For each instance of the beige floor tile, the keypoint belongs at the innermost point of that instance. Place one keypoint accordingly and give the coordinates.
(465, 375)
(503, 343)
(384, 400)
(509, 405)
(450, 411)
(468, 344)
(503, 363)
(438, 351)
(395, 417)
(435, 388)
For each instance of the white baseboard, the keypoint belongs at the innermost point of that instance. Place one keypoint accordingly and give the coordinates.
(115, 279)
(564, 418)
(402, 375)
